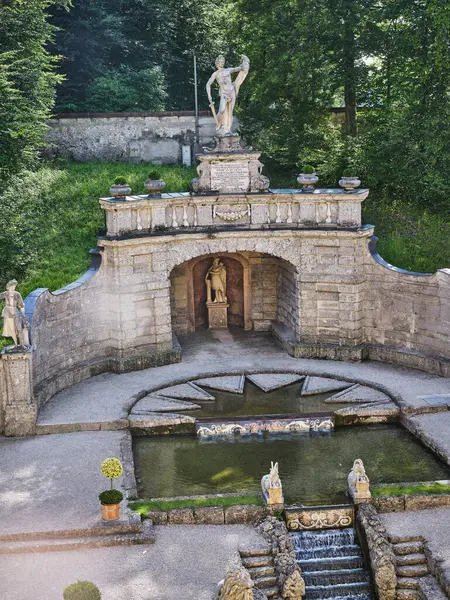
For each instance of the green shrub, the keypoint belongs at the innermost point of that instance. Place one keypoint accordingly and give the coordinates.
(349, 173)
(154, 175)
(308, 170)
(120, 181)
(111, 497)
(82, 590)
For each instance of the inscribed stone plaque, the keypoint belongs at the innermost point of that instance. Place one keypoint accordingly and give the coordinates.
(230, 176)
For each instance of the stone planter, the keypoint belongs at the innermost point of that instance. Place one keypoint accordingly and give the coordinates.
(308, 180)
(120, 191)
(154, 186)
(349, 183)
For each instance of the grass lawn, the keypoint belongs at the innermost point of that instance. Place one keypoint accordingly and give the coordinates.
(142, 507)
(401, 490)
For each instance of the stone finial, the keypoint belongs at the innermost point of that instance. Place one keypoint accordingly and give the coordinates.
(294, 586)
(358, 483)
(15, 323)
(237, 585)
(271, 486)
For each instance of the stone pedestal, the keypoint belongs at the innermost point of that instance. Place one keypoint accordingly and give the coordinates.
(217, 315)
(20, 406)
(229, 168)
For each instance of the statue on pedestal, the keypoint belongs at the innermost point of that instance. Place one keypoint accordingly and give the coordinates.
(358, 483)
(216, 278)
(229, 91)
(271, 486)
(15, 323)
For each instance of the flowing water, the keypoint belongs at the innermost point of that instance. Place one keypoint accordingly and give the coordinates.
(313, 466)
(332, 565)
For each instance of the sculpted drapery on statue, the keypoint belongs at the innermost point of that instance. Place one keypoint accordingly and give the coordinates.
(216, 278)
(229, 91)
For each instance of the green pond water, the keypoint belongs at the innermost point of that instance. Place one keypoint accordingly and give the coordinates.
(254, 401)
(313, 466)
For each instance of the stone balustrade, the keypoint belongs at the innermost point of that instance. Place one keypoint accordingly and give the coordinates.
(290, 209)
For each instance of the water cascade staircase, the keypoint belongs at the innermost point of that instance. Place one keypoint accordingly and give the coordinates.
(411, 565)
(258, 560)
(332, 565)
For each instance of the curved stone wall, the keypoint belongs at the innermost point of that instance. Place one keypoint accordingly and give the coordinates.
(407, 315)
(331, 296)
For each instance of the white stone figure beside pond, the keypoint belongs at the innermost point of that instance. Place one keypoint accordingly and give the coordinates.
(358, 483)
(271, 486)
(15, 322)
(216, 278)
(229, 91)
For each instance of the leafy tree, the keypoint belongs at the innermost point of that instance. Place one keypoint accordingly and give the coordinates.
(127, 91)
(27, 81)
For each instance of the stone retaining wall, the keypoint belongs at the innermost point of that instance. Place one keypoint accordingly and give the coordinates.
(386, 504)
(213, 515)
(155, 138)
(407, 315)
(382, 558)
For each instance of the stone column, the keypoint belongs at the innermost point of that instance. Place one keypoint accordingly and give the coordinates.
(20, 406)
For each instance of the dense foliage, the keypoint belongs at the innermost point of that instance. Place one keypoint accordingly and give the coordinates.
(135, 55)
(27, 81)
(387, 62)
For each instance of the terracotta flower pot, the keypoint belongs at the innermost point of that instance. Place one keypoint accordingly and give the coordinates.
(110, 512)
(154, 186)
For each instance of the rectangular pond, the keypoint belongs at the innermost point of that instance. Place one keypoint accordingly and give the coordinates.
(313, 466)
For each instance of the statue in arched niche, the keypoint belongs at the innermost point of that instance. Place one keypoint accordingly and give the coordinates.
(216, 280)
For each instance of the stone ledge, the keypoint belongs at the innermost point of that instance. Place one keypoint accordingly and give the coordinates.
(92, 538)
(410, 502)
(210, 515)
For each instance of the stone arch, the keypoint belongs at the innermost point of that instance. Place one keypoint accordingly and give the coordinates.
(181, 251)
(271, 282)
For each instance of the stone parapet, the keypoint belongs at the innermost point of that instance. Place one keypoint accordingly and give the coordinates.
(289, 209)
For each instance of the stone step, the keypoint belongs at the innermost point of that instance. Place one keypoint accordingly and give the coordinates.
(329, 564)
(400, 539)
(412, 570)
(263, 583)
(146, 536)
(256, 572)
(272, 592)
(407, 594)
(98, 529)
(258, 561)
(412, 559)
(335, 577)
(410, 583)
(320, 592)
(403, 548)
(259, 550)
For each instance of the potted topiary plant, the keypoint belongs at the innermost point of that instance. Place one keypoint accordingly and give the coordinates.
(308, 178)
(120, 188)
(111, 499)
(82, 590)
(349, 180)
(154, 183)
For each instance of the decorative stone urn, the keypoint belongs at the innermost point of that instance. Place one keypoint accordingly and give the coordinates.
(154, 186)
(308, 180)
(350, 183)
(119, 190)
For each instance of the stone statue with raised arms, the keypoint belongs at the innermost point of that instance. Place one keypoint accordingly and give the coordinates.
(229, 91)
